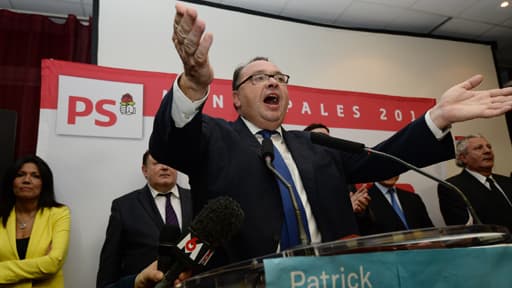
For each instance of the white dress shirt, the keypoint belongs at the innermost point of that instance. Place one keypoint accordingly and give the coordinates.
(175, 202)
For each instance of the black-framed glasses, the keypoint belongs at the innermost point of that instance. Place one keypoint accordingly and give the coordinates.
(263, 77)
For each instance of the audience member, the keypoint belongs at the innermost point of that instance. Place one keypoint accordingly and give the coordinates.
(393, 209)
(358, 196)
(136, 219)
(318, 128)
(224, 158)
(34, 233)
(490, 194)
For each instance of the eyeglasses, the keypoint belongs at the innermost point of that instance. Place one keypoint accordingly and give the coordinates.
(263, 77)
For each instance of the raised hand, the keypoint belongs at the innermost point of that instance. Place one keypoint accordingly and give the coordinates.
(461, 103)
(192, 45)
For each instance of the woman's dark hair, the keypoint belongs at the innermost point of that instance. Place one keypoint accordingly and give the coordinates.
(7, 198)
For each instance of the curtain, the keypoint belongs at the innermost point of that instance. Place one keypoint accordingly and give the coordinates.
(25, 39)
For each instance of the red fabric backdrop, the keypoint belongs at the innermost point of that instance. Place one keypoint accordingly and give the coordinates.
(25, 39)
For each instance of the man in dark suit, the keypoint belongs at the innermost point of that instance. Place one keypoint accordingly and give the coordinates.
(492, 202)
(135, 222)
(224, 158)
(393, 209)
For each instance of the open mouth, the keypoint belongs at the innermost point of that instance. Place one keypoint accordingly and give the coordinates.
(271, 99)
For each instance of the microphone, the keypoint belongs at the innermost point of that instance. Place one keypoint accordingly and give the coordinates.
(336, 143)
(267, 150)
(218, 221)
(168, 236)
(354, 147)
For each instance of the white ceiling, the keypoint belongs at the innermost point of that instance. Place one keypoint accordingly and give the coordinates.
(480, 20)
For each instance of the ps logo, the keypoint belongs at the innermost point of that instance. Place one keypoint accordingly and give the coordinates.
(84, 107)
(91, 107)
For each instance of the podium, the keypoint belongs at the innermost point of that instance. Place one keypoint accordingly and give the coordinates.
(251, 273)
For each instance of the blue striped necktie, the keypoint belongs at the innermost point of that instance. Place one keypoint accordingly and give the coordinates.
(396, 207)
(289, 232)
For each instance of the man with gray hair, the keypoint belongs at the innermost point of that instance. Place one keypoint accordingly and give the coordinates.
(490, 194)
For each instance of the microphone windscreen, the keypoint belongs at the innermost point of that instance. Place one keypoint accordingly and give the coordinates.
(336, 143)
(267, 149)
(169, 234)
(218, 220)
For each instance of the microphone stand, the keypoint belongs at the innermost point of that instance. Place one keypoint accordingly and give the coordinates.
(269, 155)
(447, 184)
(300, 225)
(355, 147)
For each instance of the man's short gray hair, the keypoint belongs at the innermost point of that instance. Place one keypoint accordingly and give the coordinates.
(461, 148)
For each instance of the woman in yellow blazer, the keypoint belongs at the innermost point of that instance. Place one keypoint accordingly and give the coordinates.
(34, 228)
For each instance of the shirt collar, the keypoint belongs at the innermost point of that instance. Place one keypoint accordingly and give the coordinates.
(254, 130)
(382, 188)
(478, 176)
(174, 190)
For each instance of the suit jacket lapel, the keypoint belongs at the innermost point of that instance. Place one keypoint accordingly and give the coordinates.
(148, 203)
(246, 136)
(505, 184)
(404, 201)
(186, 208)
(297, 146)
(11, 232)
(38, 228)
(389, 214)
(474, 181)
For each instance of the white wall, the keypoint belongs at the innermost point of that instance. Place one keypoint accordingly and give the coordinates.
(135, 34)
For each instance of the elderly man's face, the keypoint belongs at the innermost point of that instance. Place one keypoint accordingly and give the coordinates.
(479, 156)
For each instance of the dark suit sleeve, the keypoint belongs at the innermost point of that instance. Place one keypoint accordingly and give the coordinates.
(415, 143)
(165, 130)
(452, 206)
(110, 257)
(125, 282)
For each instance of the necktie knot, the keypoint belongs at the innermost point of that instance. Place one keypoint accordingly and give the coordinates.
(267, 134)
(167, 195)
(170, 215)
(492, 184)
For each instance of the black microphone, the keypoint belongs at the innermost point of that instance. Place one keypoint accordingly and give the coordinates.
(218, 221)
(267, 150)
(336, 143)
(354, 147)
(167, 242)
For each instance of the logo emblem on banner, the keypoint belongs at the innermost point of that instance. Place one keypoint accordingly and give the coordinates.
(91, 107)
(127, 106)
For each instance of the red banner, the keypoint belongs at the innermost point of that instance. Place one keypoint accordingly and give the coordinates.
(336, 109)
